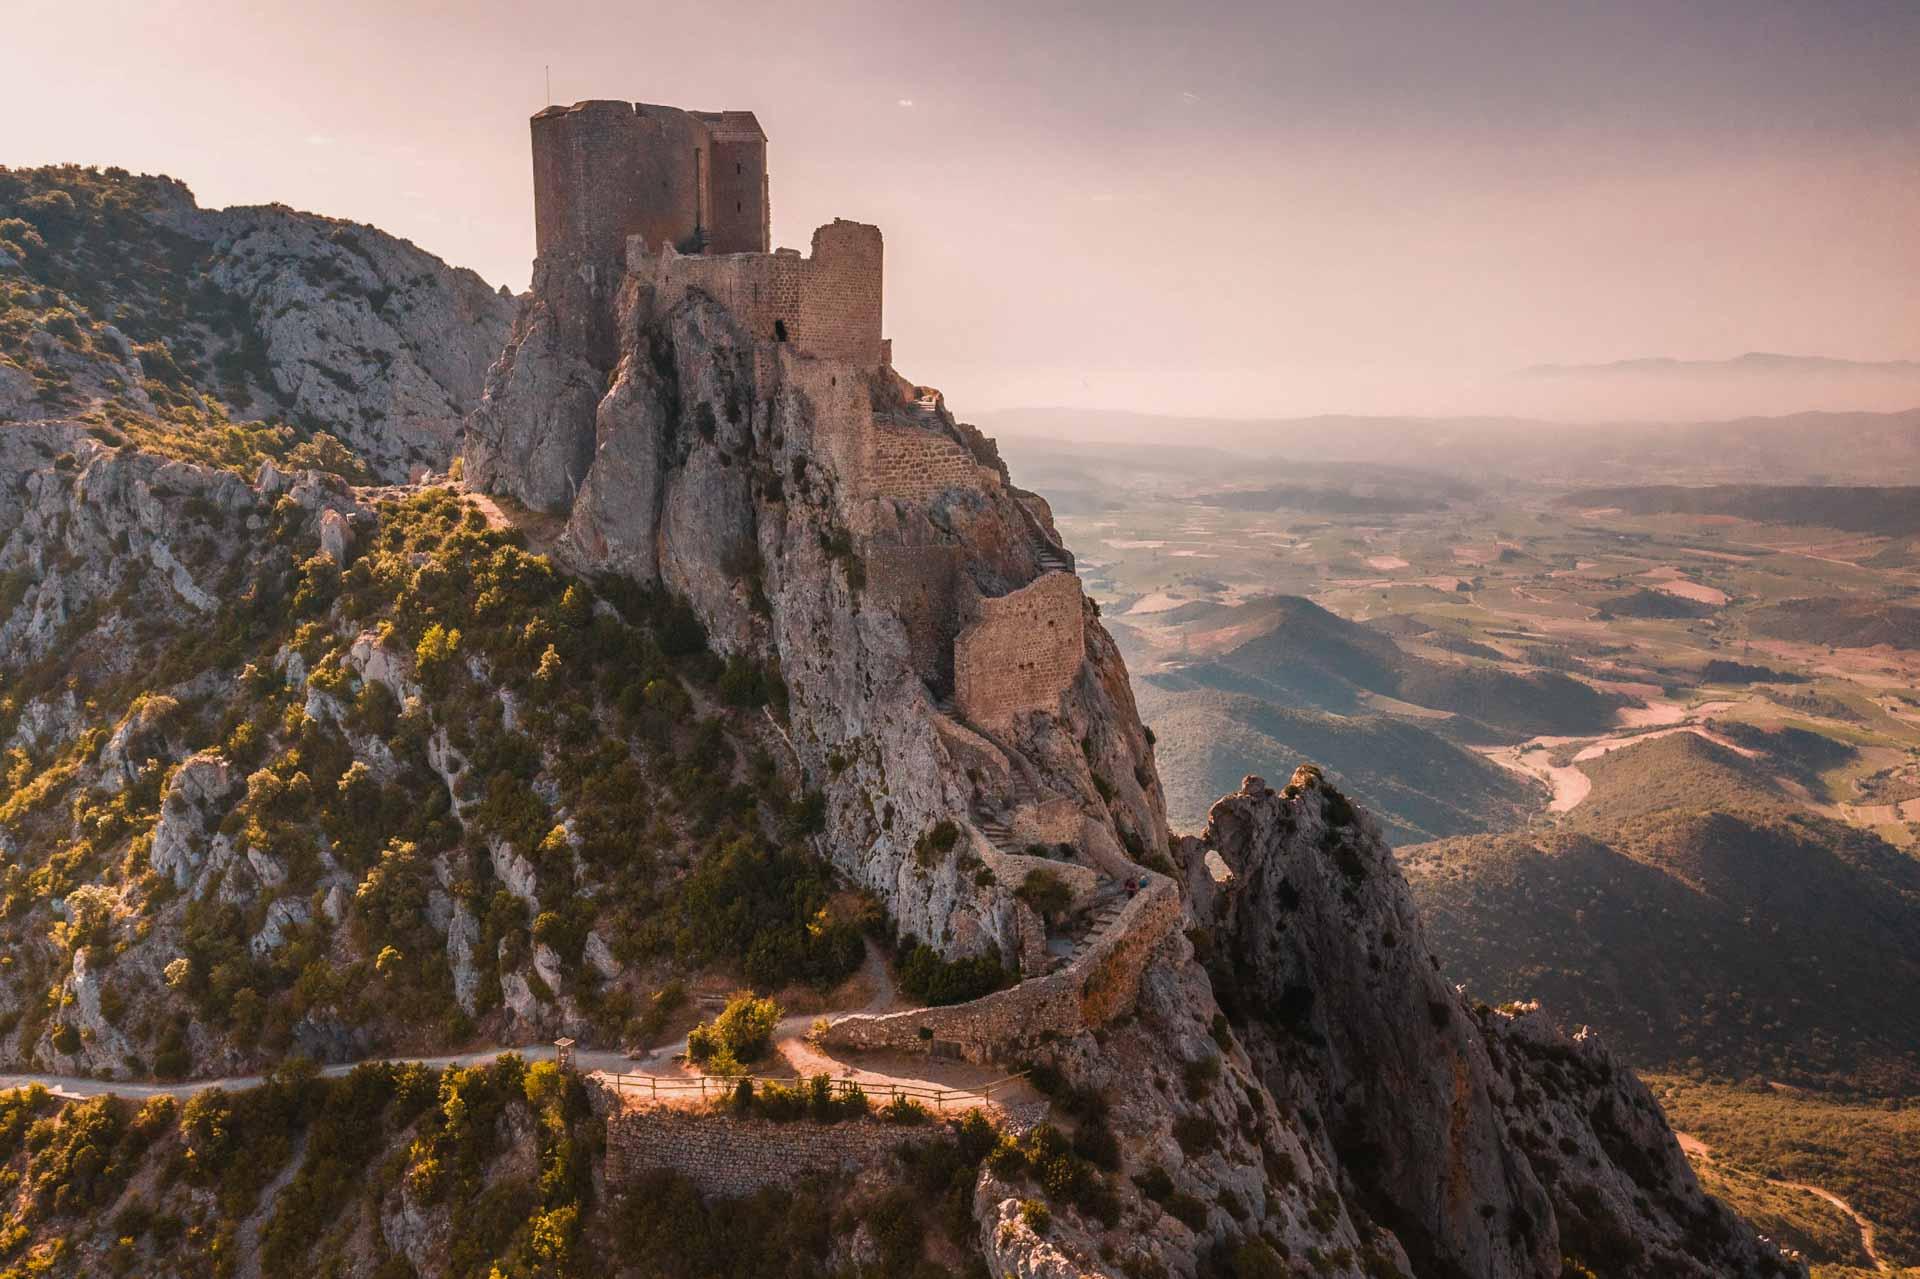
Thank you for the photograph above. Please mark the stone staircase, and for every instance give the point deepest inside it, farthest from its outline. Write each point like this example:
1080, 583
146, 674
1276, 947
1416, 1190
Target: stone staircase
1052, 558
998, 833
1101, 910
1109, 900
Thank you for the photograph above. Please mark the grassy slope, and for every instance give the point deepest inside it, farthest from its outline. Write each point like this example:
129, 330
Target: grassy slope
1867, 1153
88, 256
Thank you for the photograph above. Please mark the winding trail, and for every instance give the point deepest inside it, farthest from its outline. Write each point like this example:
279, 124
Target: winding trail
1696, 1149
876, 1071
75, 1087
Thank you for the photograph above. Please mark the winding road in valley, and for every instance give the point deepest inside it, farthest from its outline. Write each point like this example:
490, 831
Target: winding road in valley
1696, 1149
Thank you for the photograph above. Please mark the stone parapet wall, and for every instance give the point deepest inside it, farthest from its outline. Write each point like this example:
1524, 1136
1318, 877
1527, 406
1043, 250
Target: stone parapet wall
730, 1156
1090, 992
1023, 653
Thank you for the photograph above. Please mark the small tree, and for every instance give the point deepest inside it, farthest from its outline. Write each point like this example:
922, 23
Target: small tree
741, 1033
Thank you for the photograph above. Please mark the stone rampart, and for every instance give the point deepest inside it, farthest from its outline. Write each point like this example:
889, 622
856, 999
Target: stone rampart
1089, 992
1023, 653
730, 1156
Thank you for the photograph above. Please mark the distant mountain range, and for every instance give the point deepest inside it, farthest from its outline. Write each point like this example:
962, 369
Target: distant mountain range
1855, 447
1752, 364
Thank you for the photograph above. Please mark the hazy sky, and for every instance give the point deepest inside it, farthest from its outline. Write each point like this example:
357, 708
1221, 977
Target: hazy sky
1242, 208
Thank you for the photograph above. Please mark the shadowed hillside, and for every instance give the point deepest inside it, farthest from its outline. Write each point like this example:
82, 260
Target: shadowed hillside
1890, 511
1840, 623
1689, 912
1307, 654
1421, 785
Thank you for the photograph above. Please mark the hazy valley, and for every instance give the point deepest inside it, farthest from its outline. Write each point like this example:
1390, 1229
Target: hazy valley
1649, 753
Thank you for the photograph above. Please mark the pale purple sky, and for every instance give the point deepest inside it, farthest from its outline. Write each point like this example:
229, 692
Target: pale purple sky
1247, 209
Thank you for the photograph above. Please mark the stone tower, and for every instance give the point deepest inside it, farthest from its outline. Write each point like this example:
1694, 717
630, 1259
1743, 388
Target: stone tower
604, 170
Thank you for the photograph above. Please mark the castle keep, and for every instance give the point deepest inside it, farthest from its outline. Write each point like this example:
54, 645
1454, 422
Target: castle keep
675, 203
604, 171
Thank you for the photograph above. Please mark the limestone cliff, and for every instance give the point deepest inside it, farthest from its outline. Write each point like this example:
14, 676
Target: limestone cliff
1487, 1141
735, 472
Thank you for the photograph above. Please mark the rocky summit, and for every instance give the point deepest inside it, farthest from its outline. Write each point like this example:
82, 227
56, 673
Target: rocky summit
363, 709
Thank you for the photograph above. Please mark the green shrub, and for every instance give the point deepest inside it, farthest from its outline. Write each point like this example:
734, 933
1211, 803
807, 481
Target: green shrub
1046, 893
741, 1033
925, 976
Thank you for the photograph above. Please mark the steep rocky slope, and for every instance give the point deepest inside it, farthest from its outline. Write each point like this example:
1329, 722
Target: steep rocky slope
232, 334
1340, 1105
300, 767
699, 473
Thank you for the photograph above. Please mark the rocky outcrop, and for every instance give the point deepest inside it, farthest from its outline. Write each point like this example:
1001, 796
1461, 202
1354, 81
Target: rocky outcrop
1320, 960
718, 468
89, 522
532, 436
197, 795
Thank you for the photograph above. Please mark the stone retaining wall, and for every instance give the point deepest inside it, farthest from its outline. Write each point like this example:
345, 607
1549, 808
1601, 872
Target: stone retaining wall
1091, 991
729, 1156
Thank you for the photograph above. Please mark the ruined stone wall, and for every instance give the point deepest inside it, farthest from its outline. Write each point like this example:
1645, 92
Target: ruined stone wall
1023, 653
826, 306
842, 404
731, 1157
1094, 989
757, 289
925, 587
919, 464
603, 171
840, 301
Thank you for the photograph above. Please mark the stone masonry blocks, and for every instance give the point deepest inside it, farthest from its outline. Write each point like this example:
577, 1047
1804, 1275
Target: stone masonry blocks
729, 1156
1023, 653
606, 170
